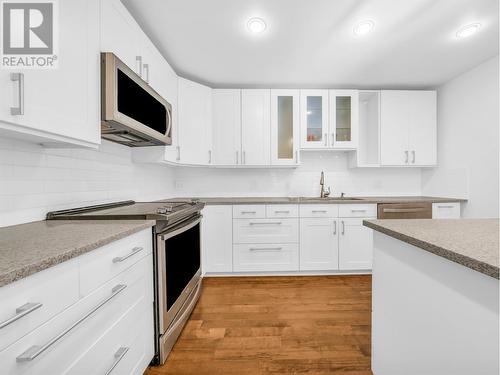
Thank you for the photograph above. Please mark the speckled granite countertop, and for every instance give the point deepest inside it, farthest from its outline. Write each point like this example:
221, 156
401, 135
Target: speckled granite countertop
29, 248
473, 243
305, 200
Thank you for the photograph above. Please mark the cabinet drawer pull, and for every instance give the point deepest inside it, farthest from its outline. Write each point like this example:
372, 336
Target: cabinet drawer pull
134, 251
268, 223
35, 350
319, 211
20, 312
19, 110
440, 206
354, 210
265, 248
248, 212
282, 212
404, 210
120, 353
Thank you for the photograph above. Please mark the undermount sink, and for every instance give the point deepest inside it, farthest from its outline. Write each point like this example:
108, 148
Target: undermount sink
331, 199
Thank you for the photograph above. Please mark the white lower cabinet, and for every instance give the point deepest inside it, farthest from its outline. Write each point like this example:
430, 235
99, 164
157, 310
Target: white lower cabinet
287, 237
319, 244
355, 245
86, 337
446, 210
217, 239
266, 257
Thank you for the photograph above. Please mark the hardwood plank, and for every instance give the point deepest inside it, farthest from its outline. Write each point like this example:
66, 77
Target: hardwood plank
276, 325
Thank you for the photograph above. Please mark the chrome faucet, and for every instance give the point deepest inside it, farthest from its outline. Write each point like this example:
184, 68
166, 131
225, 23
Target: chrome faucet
323, 193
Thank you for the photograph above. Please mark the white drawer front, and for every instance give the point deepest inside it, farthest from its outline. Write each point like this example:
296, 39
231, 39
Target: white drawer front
265, 230
358, 210
266, 257
282, 210
101, 265
319, 210
30, 302
103, 307
446, 210
249, 211
125, 345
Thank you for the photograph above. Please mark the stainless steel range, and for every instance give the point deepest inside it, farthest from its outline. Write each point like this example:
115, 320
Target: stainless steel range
177, 258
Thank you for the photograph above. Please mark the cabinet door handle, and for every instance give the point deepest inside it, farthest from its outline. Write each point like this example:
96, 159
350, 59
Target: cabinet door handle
138, 63
296, 156
237, 157
406, 160
35, 350
20, 312
178, 153
134, 251
146, 72
413, 155
268, 223
335, 227
19, 110
343, 227
244, 158
333, 139
209, 156
265, 248
120, 353
326, 139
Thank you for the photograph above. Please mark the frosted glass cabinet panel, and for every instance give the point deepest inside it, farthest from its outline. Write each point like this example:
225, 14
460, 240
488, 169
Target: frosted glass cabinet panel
344, 118
284, 126
314, 119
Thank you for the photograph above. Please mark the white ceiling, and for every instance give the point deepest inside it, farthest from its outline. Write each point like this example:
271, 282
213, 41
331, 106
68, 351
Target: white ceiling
310, 43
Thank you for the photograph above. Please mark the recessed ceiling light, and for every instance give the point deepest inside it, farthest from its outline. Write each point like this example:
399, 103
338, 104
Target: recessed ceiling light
468, 30
256, 25
363, 27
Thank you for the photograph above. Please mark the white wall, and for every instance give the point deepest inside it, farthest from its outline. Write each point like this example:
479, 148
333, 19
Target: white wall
468, 110
302, 181
34, 180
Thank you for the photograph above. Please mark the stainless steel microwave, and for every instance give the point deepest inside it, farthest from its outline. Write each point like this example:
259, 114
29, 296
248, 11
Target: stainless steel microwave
132, 112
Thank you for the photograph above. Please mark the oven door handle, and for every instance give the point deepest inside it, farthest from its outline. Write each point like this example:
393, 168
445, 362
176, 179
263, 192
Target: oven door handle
186, 226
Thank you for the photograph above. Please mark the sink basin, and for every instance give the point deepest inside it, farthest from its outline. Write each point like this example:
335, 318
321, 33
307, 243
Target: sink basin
330, 199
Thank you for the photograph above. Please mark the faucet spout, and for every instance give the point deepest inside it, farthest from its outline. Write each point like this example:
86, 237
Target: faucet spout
323, 193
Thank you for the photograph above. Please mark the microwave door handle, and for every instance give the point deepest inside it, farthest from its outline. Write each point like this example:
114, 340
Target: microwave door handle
169, 117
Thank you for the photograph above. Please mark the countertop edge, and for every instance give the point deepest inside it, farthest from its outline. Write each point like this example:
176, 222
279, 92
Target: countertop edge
214, 201
45, 263
474, 264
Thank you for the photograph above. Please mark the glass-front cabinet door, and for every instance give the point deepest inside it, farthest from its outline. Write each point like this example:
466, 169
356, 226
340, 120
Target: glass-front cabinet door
285, 127
314, 119
344, 106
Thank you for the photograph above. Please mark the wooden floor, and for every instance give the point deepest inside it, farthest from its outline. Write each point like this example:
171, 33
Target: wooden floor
276, 325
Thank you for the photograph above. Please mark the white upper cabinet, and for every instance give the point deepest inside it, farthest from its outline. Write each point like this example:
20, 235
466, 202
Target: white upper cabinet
408, 128
226, 127
59, 105
314, 130
284, 127
195, 118
255, 127
344, 117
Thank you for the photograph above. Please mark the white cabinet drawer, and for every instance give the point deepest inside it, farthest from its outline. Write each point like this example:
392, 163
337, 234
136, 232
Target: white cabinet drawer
265, 230
101, 265
319, 210
446, 210
102, 308
126, 343
358, 210
266, 257
47, 292
249, 211
282, 210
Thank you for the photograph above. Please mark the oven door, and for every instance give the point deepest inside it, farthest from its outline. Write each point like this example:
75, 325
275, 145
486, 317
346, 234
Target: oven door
178, 268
